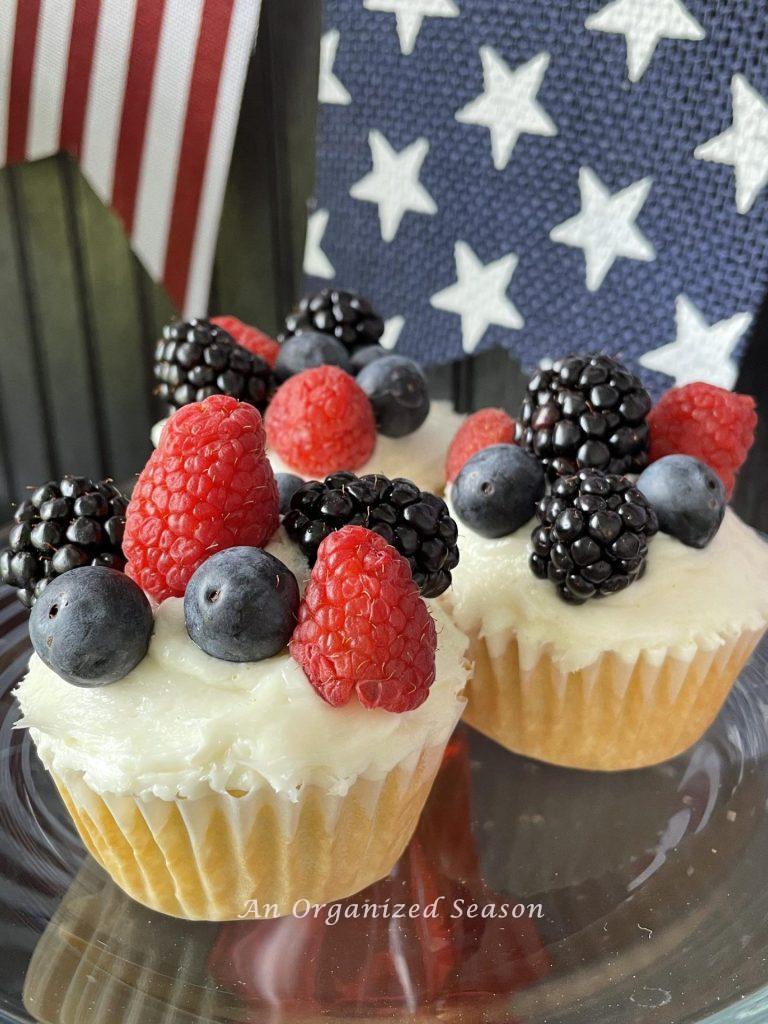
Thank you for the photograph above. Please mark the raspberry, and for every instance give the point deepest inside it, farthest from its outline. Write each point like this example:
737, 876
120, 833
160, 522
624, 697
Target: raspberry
480, 430
320, 421
206, 487
257, 342
707, 422
363, 627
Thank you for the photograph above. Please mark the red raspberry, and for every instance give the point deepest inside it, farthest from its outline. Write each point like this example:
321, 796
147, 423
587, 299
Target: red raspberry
363, 627
480, 430
707, 422
256, 341
320, 421
206, 487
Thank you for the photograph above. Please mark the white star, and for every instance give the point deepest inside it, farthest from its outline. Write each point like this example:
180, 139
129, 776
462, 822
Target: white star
479, 295
645, 23
508, 107
392, 329
410, 14
700, 351
330, 89
605, 229
744, 145
316, 263
394, 183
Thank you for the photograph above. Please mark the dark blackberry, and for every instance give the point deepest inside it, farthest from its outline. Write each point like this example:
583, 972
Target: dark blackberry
195, 359
414, 522
586, 412
592, 540
344, 315
61, 526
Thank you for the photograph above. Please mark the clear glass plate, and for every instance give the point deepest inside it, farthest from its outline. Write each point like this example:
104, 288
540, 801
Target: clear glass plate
626, 897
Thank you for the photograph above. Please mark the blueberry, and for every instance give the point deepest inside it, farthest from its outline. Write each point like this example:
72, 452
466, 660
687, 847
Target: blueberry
91, 625
287, 485
397, 389
241, 605
309, 349
497, 490
361, 357
688, 497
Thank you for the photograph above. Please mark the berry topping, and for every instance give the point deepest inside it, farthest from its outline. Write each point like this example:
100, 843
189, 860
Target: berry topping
363, 627
61, 526
687, 496
414, 522
308, 349
207, 486
287, 485
586, 412
92, 626
241, 605
257, 342
497, 489
592, 540
321, 421
367, 354
397, 390
707, 422
480, 430
346, 316
196, 359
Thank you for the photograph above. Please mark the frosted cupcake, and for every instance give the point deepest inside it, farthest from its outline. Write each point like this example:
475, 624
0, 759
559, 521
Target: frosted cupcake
383, 416
607, 620
231, 729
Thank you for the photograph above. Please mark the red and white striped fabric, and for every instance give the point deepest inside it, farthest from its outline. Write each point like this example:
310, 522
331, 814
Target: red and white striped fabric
146, 95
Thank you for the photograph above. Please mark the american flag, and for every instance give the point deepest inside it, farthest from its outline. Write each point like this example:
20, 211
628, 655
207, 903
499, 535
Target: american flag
548, 177
145, 94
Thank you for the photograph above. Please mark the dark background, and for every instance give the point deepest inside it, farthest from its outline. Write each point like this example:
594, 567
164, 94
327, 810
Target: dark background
80, 315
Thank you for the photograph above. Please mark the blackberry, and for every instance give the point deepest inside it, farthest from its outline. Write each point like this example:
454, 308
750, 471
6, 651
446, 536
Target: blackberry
61, 526
592, 540
414, 522
344, 315
196, 358
586, 412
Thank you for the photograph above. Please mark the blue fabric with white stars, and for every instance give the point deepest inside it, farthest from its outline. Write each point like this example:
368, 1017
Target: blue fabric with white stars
624, 131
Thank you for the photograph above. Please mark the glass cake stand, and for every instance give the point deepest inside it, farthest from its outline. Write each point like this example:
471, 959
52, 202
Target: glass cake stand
558, 896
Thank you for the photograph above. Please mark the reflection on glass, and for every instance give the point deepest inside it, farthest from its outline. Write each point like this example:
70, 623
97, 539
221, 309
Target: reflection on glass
653, 889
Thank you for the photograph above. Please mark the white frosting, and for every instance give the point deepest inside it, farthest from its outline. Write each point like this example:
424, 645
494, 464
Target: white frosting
157, 430
290, 555
419, 456
687, 598
183, 723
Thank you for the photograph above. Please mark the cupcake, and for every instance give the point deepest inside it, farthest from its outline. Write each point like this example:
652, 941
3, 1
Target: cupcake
610, 603
354, 406
232, 728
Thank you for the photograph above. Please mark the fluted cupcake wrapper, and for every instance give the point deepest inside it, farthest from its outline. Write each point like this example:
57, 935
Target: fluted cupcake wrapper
613, 714
228, 855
